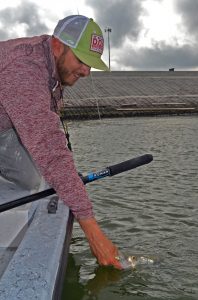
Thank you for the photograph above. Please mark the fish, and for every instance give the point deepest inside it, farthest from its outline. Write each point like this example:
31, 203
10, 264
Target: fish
131, 261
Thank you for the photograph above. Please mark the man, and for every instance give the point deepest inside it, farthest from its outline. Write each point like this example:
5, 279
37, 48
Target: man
32, 74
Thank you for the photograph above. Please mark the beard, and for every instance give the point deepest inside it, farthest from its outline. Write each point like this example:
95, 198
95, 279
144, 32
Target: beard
63, 72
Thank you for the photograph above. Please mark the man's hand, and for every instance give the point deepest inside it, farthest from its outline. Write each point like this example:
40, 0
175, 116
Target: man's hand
102, 248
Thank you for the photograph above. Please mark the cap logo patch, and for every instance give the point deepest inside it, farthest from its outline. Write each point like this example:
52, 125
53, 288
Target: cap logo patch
97, 43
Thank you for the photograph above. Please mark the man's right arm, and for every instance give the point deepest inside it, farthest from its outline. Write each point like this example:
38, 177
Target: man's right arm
102, 248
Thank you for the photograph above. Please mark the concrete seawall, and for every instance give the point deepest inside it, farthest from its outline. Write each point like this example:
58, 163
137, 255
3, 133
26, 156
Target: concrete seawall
130, 93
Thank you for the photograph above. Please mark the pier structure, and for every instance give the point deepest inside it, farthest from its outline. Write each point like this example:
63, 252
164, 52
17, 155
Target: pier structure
132, 93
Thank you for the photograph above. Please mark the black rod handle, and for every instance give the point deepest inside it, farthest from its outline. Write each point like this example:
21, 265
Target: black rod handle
118, 168
130, 164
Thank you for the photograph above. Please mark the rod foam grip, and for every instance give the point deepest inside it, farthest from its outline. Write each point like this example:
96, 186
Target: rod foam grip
130, 164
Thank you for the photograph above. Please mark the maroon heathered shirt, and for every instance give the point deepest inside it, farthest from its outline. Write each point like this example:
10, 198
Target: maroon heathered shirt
27, 77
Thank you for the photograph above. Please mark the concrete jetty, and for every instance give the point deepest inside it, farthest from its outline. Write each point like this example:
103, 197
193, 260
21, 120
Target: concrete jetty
132, 93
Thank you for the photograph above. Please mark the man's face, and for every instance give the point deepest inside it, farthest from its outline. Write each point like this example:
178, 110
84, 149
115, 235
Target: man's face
70, 68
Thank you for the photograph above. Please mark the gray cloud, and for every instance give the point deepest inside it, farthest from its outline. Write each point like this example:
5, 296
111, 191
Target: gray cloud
3, 35
161, 57
124, 19
188, 10
121, 16
26, 14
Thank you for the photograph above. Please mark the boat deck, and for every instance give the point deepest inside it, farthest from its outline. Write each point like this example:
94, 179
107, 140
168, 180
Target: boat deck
41, 240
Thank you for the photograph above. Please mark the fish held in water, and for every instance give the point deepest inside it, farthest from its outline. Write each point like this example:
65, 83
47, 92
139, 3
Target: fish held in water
130, 262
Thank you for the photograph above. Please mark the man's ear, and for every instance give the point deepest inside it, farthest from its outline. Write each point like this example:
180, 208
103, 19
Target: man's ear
57, 47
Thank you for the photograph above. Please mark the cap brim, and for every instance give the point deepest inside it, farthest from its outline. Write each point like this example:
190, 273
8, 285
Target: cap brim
91, 61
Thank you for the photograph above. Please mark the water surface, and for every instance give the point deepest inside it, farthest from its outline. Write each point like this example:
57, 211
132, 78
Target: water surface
151, 210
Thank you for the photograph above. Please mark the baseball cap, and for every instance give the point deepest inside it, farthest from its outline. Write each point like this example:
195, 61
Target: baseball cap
85, 39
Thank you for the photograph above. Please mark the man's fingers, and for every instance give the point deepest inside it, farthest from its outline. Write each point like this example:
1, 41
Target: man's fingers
111, 261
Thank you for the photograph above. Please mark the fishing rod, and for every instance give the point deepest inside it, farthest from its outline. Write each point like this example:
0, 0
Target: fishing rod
109, 171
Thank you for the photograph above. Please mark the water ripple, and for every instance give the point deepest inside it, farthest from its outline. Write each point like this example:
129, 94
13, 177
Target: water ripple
150, 210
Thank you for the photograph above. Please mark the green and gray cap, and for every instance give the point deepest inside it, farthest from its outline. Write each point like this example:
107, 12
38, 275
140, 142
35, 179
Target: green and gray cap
85, 39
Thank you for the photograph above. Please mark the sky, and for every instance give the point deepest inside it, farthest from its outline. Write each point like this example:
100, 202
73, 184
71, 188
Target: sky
145, 34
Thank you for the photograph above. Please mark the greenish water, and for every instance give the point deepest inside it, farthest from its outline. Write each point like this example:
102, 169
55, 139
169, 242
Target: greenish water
151, 210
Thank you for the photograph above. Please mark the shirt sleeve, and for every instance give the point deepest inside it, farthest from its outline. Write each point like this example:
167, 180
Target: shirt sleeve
26, 99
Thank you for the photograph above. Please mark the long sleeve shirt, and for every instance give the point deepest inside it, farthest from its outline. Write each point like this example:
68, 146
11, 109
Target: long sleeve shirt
27, 77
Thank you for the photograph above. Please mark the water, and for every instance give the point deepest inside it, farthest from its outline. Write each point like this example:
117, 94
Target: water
149, 211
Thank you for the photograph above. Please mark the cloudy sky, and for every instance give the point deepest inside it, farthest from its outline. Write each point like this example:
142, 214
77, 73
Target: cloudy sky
145, 34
